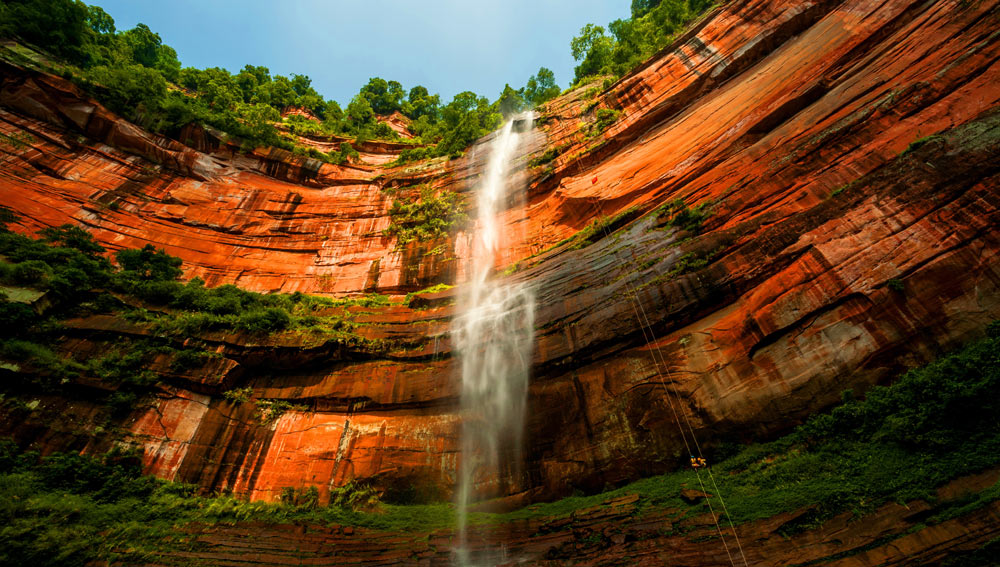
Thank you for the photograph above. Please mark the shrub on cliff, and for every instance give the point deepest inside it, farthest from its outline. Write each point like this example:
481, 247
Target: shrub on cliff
268, 320
652, 26
147, 264
64, 270
425, 218
935, 408
900, 442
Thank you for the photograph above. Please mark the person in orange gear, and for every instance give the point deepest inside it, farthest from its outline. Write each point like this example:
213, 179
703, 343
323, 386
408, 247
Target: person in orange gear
698, 462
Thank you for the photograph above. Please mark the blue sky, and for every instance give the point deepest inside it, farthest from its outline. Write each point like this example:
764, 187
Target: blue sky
446, 45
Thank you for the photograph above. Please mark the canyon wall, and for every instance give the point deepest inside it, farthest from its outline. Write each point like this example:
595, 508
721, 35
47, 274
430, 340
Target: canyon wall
846, 158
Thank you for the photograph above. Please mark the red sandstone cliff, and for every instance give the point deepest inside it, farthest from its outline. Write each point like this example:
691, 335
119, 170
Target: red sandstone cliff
794, 123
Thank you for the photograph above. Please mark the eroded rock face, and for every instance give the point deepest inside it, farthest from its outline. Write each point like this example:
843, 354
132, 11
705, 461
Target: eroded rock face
835, 147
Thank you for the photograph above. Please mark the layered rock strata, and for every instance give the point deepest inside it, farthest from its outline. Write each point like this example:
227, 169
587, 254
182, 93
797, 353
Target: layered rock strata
832, 146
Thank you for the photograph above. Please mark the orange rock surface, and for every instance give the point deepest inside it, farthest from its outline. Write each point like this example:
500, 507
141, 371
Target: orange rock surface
835, 147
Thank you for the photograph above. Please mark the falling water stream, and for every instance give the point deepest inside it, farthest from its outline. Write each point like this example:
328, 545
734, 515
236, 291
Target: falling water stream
494, 336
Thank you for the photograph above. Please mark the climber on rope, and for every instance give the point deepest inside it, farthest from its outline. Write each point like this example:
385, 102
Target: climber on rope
698, 462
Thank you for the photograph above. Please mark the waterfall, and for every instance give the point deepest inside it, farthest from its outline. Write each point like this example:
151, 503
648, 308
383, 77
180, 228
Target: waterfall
494, 332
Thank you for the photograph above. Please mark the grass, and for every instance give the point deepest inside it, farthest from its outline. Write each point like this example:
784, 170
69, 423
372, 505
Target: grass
548, 156
593, 232
601, 227
898, 444
686, 264
917, 144
681, 217
438, 288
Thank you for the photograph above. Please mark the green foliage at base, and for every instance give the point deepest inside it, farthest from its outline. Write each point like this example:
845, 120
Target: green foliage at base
69, 510
899, 443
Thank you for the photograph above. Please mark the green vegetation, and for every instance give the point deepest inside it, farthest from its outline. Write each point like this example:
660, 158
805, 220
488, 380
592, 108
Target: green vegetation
601, 227
433, 289
689, 262
63, 274
653, 25
136, 75
428, 217
917, 144
238, 395
347, 154
550, 155
68, 509
268, 411
593, 232
897, 444
17, 140
540, 88
681, 217
355, 496
605, 118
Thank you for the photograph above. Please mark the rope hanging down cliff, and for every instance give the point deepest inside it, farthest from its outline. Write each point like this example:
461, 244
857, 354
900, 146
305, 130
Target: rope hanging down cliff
659, 360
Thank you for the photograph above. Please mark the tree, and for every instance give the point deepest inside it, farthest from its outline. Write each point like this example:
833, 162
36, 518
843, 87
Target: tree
653, 24
422, 103
128, 89
510, 102
280, 92
360, 113
333, 114
148, 263
70, 236
7, 216
385, 97
593, 49
142, 45
167, 63
313, 102
259, 120
218, 89
641, 7
59, 26
540, 87
464, 120
250, 81
100, 21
